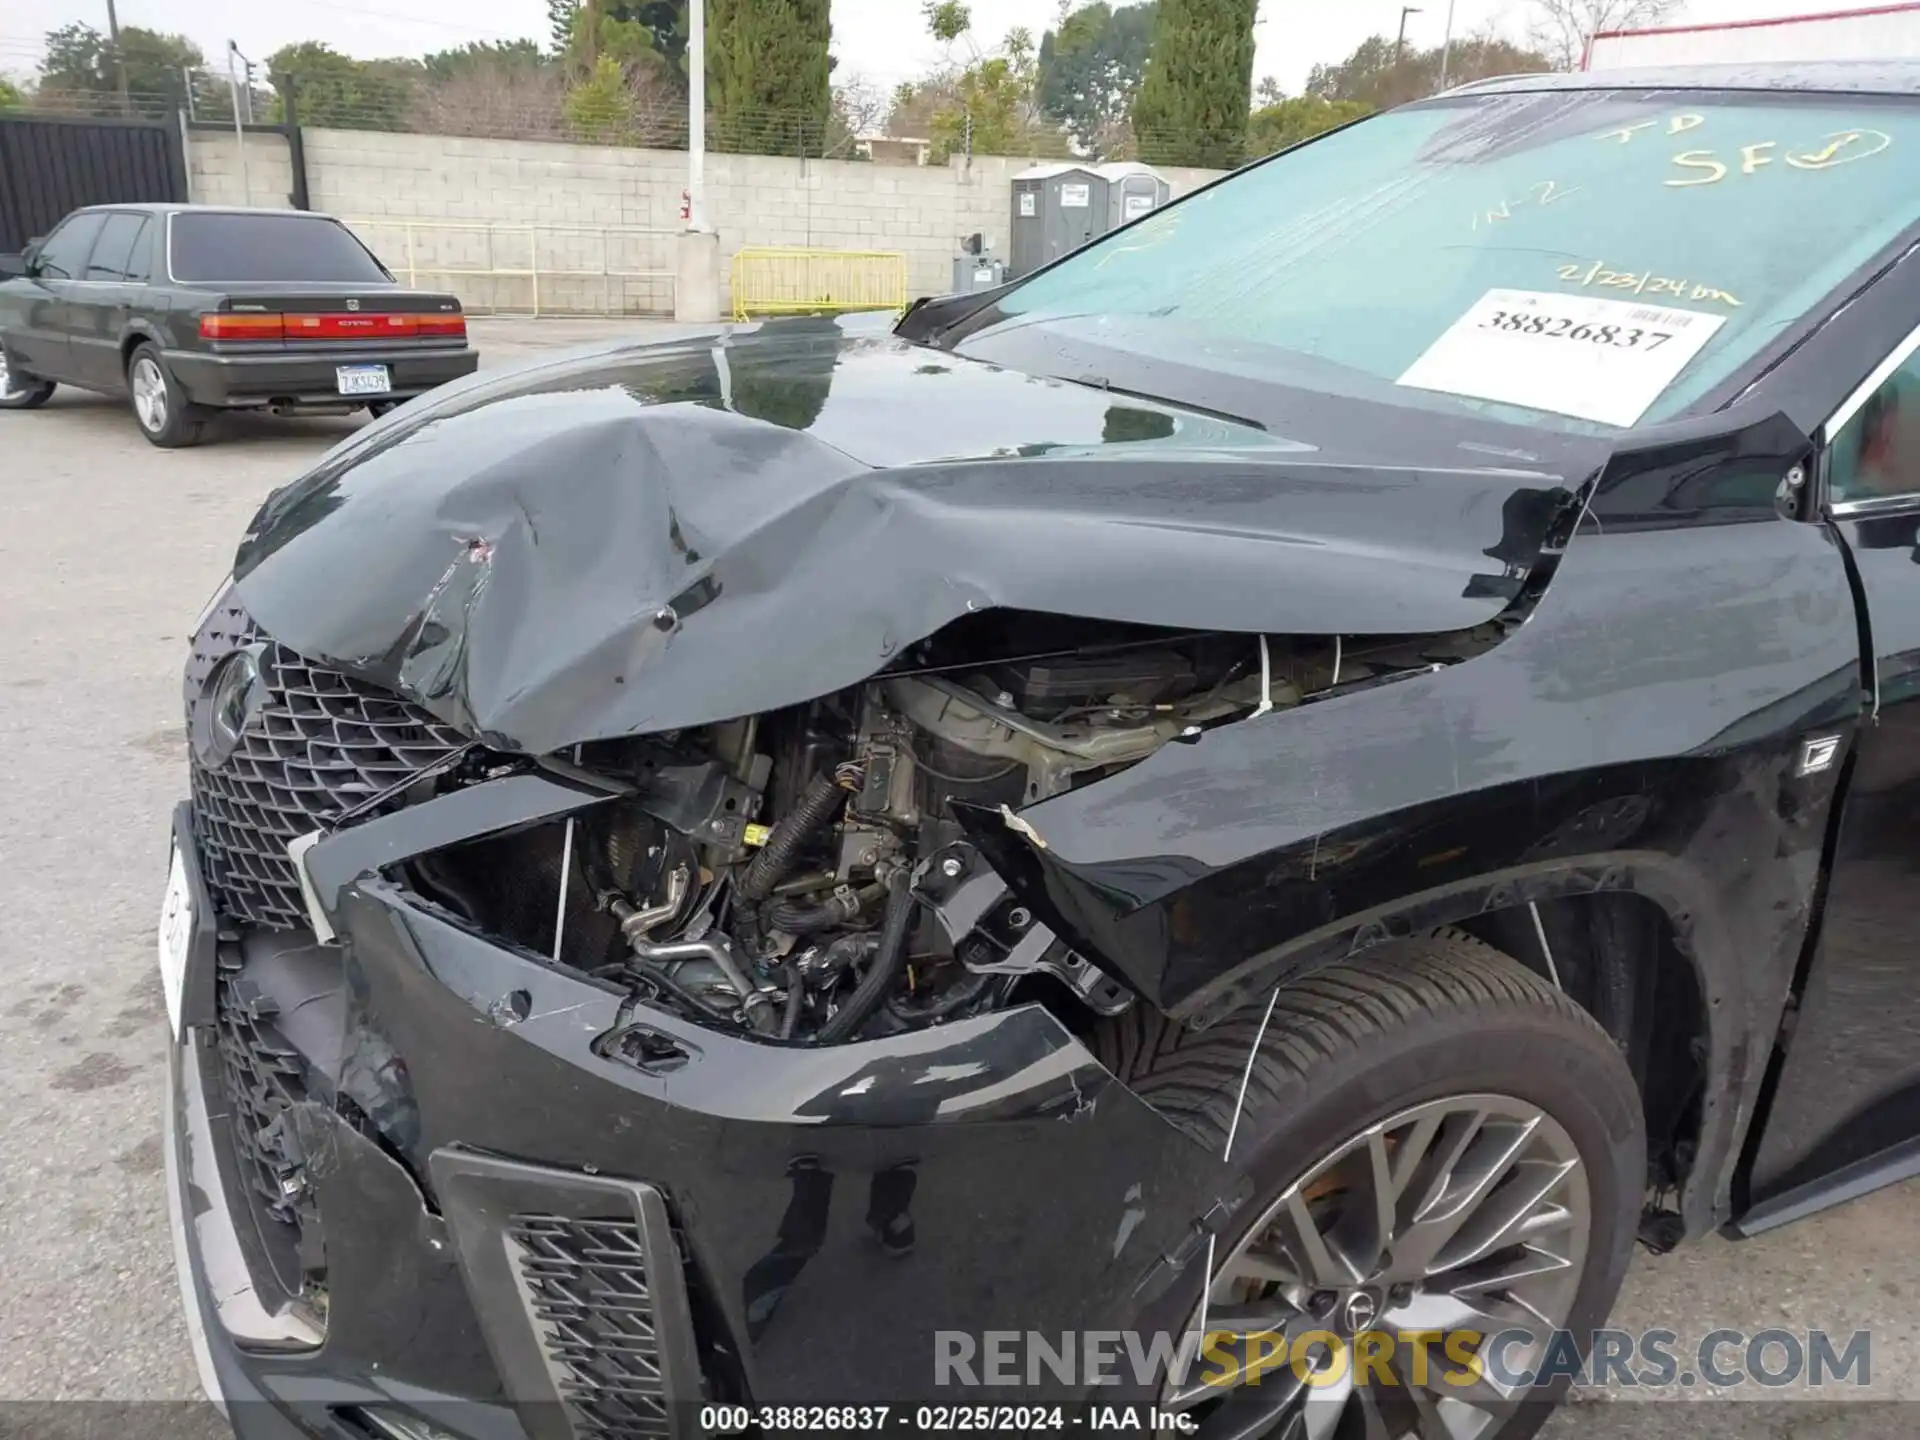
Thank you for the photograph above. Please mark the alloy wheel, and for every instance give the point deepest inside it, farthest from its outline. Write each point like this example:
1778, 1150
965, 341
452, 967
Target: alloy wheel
1460, 1219
149, 395
6, 376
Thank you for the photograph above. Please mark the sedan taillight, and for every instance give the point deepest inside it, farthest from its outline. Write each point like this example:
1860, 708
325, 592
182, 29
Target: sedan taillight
225, 325
444, 327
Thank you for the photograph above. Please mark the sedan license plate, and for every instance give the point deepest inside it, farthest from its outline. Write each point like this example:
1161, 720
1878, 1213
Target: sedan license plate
176, 938
363, 379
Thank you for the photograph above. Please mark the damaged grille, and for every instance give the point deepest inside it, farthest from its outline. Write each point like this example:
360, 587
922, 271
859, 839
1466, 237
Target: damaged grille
319, 745
586, 1287
265, 1078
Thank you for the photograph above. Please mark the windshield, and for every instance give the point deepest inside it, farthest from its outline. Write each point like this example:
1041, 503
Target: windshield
1585, 260
224, 247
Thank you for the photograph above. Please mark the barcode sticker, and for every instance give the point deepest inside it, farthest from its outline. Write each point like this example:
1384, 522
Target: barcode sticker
1578, 355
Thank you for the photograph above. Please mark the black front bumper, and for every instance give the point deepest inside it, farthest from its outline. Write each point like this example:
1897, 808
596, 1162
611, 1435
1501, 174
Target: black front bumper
306, 378
488, 1100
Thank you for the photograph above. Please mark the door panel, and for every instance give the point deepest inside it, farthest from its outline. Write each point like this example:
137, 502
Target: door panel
41, 341
1846, 1107
98, 303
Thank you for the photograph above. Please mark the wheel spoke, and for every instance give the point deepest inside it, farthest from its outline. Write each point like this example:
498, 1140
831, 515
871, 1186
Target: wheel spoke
1320, 1412
1253, 1410
1457, 1190
1496, 1222
1305, 1242
1258, 1263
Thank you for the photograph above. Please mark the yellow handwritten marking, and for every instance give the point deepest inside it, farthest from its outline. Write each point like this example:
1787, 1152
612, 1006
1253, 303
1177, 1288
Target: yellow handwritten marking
1625, 132
1826, 159
1680, 124
1698, 160
1641, 282
1752, 157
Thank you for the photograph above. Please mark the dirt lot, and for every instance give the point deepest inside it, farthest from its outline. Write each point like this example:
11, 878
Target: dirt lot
107, 549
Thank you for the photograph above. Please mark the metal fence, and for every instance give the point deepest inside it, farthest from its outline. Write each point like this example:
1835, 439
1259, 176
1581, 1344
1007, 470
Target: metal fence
511, 269
769, 280
49, 167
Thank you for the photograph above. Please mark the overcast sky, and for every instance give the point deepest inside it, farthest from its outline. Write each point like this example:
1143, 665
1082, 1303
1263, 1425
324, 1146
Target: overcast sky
883, 40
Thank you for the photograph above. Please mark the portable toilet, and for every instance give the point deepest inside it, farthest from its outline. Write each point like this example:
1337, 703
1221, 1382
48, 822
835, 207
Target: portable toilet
1133, 190
1056, 208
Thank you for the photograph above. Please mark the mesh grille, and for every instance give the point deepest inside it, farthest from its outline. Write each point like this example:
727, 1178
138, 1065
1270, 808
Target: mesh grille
586, 1284
320, 745
264, 1078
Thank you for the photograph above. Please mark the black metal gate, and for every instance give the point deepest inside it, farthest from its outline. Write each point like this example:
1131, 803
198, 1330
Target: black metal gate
48, 167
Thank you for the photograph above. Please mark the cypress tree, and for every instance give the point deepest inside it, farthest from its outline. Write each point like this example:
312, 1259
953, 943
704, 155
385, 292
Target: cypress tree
768, 86
1193, 104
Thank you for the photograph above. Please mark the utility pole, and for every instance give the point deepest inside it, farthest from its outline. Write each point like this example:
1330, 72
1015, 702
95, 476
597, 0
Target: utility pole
1446, 46
1400, 41
239, 135
696, 115
119, 58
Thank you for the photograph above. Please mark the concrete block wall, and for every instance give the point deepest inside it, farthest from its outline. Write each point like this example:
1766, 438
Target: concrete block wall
583, 196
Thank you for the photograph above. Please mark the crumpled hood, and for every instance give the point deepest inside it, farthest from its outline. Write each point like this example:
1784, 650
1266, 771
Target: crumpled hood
645, 538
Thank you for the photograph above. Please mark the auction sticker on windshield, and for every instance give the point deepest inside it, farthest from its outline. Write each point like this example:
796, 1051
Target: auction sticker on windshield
1578, 355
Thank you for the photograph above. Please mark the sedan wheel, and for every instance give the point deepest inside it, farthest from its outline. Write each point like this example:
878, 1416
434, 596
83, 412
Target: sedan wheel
20, 392
149, 394
166, 418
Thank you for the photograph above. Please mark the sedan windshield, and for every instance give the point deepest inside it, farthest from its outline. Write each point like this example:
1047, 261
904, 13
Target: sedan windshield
1589, 260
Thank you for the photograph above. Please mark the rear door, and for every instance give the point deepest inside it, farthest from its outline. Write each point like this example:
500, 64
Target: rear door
101, 301
38, 336
1845, 1111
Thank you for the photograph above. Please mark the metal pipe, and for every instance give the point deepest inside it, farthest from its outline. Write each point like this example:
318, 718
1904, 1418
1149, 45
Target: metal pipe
239, 134
697, 115
637, 921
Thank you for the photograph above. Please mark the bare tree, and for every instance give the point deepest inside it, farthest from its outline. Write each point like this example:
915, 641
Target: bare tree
1560, 29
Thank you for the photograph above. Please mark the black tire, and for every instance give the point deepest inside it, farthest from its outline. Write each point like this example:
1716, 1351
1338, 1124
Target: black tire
177, 422
1366, 1038
19, 391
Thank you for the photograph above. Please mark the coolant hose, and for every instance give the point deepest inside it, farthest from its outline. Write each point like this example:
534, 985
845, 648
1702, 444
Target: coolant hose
768, 868
889, 959
777, 856
798, 919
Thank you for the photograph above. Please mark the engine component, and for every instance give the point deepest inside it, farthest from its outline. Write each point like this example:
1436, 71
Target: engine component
800, 875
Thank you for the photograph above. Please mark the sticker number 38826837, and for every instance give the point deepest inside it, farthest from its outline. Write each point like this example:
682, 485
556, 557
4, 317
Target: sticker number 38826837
1579, 355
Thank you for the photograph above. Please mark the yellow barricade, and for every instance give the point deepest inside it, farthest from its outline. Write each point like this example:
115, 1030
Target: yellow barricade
774, 281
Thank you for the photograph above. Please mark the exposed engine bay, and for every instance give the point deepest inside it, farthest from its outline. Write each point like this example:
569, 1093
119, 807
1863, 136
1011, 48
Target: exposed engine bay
800, 876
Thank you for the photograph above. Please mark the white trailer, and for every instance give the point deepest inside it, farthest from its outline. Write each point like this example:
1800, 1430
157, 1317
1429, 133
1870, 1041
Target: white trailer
1876, 32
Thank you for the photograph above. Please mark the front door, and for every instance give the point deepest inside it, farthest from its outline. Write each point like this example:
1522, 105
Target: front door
37, 334
1845, 1113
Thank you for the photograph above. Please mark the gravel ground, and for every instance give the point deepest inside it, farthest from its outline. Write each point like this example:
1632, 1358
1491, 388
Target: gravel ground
107, 549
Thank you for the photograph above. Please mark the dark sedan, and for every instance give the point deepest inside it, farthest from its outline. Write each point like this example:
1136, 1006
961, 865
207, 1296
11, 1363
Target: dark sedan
191, 309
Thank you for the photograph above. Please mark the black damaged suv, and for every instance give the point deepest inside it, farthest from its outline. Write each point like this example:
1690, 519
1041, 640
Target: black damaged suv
1319, 766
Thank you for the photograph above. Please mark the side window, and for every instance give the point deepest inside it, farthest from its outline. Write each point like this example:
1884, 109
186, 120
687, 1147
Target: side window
140, 257
115, 244
1877, 453
65, 252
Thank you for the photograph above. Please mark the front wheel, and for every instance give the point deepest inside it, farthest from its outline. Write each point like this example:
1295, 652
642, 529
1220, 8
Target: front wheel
161, 407
19, 391
1445, 1158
